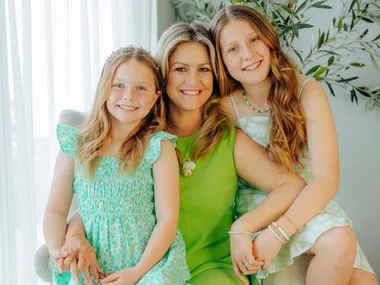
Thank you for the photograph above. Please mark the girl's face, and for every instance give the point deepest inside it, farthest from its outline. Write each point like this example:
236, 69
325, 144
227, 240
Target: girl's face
190, 78
245, 56
133, 93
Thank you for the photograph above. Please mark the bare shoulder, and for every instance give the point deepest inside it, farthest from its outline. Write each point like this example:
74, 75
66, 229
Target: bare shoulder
226, 103
313, 97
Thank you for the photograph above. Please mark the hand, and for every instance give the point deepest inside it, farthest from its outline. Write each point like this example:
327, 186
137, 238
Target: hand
242, 257
265, 247
126, 276
81, 256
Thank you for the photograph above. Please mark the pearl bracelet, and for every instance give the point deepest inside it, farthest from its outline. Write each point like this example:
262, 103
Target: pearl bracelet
240, 233
276, 235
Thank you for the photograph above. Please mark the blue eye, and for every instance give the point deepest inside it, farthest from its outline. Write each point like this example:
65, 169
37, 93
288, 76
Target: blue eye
233, 49
141, 88
118, 85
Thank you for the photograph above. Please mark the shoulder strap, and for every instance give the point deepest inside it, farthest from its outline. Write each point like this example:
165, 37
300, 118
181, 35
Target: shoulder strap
233, 103
303, 84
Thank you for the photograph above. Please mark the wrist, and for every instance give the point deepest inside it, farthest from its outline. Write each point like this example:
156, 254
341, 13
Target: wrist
71, 235
288, 228
140, 270
241, 225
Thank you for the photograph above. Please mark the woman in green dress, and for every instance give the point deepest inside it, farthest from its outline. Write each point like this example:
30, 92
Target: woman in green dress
211, 154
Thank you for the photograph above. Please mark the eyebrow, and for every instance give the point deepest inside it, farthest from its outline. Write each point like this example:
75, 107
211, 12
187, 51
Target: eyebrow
141, 82
185, 64
234, 42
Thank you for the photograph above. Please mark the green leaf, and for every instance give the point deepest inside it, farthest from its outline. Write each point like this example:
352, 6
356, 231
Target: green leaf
321, 40
331, 89
347, 79
362, 91
334, 21
295, 31
320, 72
298, 54
303, 26
363, 34
302, 6
317, 5
358, 4
331, 60
357, 64
345, 27
353, 96
287, 9
368, 20
340, 24
375, 39
312, 70
374, 62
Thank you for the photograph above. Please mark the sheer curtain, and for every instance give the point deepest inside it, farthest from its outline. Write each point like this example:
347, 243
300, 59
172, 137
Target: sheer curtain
51, 55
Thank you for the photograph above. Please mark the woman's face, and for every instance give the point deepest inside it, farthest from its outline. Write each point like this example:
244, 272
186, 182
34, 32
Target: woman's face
246, 57
190, 78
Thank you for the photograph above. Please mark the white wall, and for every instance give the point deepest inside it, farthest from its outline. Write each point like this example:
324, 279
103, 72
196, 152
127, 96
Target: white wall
359, 141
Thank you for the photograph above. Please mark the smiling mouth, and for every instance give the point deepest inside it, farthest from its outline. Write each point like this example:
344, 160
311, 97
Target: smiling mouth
191, 92
252, 66
127, 108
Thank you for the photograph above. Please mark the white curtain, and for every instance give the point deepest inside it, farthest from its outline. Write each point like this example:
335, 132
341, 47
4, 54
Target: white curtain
51, 55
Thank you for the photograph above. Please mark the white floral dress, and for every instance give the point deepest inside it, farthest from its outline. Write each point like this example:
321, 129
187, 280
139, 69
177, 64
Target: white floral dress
119, 215
249, 197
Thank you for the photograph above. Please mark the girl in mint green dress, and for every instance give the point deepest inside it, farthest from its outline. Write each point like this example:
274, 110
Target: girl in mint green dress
124, 171
298, 132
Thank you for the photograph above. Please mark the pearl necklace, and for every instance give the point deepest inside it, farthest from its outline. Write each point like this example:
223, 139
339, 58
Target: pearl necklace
250, 106
188, 165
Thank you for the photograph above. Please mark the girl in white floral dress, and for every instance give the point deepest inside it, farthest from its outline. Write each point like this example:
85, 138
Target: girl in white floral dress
290, 116
124, 170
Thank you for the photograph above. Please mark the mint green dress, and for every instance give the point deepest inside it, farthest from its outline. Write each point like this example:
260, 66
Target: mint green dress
207, 198
118, 213
249, 197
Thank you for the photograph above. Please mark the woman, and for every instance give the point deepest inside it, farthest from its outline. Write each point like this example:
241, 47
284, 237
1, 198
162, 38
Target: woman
215, 153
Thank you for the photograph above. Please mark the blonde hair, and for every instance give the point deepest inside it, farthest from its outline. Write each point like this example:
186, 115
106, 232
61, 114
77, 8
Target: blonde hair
287, 135
95, 133
215, 121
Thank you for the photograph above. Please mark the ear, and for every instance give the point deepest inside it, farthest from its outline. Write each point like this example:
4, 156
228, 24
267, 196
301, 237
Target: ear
158, 94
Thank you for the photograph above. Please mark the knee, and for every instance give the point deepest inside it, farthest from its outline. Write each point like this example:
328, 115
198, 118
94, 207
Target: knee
339, 240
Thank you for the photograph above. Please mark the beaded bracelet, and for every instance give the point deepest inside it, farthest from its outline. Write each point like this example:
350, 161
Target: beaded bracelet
240, 233
275, 234
281, 230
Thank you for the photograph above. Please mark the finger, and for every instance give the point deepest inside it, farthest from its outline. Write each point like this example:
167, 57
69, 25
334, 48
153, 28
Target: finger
60, 265
266, 265
110, 278
252, 269
74, 270
83, 266
94, 273
238, 273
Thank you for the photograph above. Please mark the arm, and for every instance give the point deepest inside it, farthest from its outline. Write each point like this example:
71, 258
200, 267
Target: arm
324, 157
255, 167
166, 190
58, 205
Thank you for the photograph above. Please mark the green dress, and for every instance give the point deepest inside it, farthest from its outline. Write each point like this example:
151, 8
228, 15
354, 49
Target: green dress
119, 215
207, 198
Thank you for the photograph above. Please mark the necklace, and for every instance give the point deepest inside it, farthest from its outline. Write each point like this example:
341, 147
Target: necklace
188, 165
250, 106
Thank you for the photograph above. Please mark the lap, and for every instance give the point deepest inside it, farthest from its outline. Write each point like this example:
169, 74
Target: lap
222, 276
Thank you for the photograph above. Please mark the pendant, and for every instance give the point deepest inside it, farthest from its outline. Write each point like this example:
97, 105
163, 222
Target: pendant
188, 167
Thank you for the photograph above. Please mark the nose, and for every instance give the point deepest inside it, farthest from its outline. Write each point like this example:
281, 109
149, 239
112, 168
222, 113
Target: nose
192, 78
129, 94
247, 52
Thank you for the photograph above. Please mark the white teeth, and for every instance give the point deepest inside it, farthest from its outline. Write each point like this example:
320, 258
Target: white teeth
252, 67
127, 108
188, 92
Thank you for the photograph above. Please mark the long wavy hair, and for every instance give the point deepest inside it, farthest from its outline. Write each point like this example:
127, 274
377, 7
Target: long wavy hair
215, 121
96, 132
287, 135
